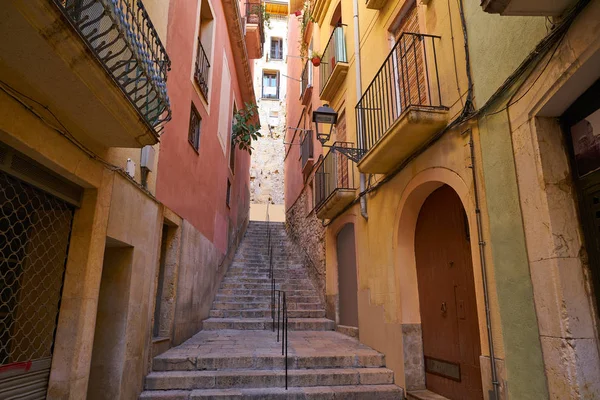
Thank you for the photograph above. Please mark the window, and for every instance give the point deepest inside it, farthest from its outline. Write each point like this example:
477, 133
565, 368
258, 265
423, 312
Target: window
270, 88
276, 48
194, 132
204, 48
232, 145
228, 194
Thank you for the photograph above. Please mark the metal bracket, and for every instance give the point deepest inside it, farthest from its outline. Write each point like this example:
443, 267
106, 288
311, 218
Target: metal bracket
352, 153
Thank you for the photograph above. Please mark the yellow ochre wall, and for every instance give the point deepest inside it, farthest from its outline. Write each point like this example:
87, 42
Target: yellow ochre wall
389, 318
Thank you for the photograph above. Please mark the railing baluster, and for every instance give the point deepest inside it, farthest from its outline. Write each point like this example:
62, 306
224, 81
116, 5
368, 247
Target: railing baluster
119, 34
392, 91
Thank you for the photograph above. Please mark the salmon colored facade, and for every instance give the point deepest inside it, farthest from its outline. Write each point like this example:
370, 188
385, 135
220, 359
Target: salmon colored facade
191, 182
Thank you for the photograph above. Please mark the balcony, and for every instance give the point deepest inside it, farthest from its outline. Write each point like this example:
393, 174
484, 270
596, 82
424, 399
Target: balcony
527, 7
201, 70
255, 30
306, 83
402, 107
98, 65
307, 151
334, 183
334, 64
376, 4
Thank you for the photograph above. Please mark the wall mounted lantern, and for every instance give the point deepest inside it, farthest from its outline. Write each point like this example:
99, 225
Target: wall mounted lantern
325, 119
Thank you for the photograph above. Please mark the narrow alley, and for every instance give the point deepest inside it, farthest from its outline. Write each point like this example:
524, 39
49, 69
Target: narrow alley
300, 199
237, 355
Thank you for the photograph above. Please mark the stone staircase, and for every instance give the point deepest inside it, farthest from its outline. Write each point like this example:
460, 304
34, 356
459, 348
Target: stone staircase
236, 355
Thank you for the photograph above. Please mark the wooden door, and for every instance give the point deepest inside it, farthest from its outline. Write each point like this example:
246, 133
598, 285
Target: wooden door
447, 298
347, 280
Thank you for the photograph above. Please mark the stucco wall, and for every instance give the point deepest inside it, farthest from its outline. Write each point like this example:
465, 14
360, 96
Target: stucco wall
194, 184
497, 46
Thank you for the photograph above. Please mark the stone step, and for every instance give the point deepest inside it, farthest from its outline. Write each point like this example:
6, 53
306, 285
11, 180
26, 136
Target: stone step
266, 292
265, 313
249, 378
238, 279
231, 361
266, 303
229, 298
267, 285
424, 395
354, 392
294, 324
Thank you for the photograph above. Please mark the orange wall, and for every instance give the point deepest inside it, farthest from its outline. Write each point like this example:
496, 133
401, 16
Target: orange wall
191, 184
294, 180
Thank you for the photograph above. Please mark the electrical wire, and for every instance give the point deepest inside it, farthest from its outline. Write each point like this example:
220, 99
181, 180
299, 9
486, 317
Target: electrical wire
14, 93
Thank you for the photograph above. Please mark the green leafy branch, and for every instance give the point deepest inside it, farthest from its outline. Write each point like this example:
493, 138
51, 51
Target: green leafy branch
244, 130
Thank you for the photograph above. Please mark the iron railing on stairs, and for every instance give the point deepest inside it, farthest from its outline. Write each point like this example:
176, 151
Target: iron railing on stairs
282, 311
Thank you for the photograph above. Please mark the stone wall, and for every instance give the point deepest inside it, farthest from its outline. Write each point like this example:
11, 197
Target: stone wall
266, 171
308, 233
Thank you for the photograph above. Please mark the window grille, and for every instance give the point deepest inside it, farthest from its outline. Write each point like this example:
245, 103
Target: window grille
194, 133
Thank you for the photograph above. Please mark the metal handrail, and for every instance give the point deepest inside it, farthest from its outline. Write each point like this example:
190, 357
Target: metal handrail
255, 9
408, 77
282, 324
306, 78
335, 172
333, 53
202, 68
123, 39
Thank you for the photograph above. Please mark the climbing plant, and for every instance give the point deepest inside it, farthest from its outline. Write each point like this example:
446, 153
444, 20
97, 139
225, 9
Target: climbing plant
306, 19
244, 130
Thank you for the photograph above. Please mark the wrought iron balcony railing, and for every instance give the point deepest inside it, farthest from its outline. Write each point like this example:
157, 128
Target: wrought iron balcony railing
306, 79
408, 77
121, 36
306, 147
335, 172
334, 52
202, 68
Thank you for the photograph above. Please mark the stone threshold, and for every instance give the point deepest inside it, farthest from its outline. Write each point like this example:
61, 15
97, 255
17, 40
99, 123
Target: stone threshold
424, 395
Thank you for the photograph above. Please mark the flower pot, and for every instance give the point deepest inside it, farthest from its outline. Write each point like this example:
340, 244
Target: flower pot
297, 13
316, 61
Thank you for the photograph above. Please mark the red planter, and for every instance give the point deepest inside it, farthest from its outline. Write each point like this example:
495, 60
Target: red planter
316, 61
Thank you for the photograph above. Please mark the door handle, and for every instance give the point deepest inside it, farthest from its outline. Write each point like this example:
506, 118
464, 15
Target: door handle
444, 308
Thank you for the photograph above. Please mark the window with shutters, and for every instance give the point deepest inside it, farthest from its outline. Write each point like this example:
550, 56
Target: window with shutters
270, 87
276, 49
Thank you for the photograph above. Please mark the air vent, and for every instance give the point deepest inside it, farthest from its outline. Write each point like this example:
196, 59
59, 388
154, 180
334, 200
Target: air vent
32, 172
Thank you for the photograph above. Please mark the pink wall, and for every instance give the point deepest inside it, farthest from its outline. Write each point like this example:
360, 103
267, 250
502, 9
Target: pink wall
191, 184
294, 179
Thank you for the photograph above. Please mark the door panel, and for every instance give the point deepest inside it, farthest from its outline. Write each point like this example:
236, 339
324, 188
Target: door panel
447, 298
348, 286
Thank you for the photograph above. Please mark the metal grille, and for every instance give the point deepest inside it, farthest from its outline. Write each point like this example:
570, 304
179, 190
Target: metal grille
34, 237
124, 40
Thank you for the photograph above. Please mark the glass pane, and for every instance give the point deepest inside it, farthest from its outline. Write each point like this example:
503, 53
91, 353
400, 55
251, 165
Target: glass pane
586, 143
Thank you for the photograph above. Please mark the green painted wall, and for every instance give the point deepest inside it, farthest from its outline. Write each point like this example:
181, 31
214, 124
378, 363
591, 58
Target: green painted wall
524, 364
497, 46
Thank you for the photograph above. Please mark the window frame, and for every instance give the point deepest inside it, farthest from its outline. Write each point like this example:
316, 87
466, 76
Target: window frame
194, 137
228, 194
277, 81
276, 39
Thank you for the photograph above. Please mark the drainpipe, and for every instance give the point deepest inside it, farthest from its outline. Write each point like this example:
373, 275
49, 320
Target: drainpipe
495, 395
363, 185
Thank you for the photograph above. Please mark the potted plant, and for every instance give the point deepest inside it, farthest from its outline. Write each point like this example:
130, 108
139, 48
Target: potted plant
315, 58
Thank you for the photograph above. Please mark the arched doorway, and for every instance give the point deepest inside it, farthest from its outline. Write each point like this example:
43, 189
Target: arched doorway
347, 282
447, 297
